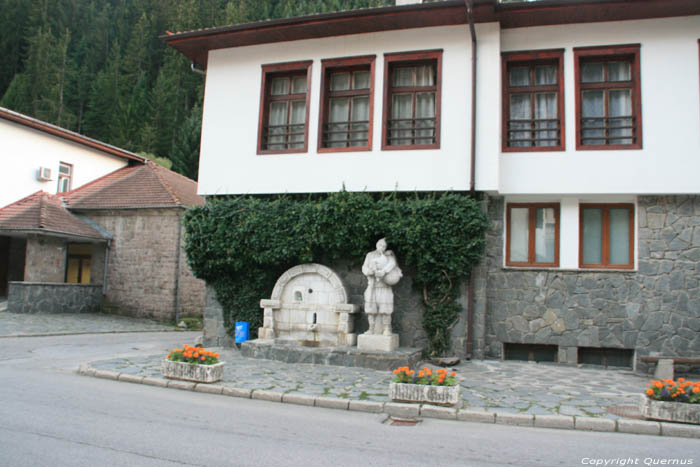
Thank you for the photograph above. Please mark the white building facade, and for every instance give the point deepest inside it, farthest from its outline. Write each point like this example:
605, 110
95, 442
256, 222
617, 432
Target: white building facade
587, 150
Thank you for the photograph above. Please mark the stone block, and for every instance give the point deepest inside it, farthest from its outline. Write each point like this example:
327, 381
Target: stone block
638, 427
298, 399
377, 343
332, 403
106, 374
594, 424
209, 388
162, 383
479, 416
680, 430
432, 411
184, 385
237, 392
664, 369
398, 410
130, 378
271, 396
554, 421
366, 406
516, 419
86, 369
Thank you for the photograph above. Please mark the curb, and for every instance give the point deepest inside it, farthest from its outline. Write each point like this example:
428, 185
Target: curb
81, 333
401, 410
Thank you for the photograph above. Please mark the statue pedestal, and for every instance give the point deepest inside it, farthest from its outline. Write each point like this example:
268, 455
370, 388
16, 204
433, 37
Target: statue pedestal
378, 343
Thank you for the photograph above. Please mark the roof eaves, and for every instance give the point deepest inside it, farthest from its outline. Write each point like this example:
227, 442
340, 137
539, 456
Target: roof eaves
53, 233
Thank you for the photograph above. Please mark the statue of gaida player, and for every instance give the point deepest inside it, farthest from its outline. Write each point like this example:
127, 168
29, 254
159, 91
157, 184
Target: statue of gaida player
382, 272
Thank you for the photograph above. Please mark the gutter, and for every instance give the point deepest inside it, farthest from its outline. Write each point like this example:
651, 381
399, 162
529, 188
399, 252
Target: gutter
194, 69
469, 4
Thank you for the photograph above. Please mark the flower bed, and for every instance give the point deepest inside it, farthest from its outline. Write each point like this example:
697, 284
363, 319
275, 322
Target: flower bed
674, 401
193, 364
427, 386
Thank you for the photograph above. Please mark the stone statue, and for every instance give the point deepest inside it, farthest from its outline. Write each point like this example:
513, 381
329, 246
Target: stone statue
382, 272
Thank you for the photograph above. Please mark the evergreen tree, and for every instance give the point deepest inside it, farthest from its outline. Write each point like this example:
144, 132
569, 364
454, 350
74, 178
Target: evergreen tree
185, 155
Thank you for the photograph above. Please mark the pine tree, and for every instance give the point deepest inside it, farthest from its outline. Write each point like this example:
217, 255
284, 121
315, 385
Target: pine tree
185, 155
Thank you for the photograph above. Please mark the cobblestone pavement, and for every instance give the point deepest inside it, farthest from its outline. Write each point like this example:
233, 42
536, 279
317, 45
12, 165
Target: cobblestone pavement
38, 324
497, 386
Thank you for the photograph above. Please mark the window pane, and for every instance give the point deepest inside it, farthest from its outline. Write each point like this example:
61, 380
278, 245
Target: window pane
299, 85
546, 114
340, 81
619, 236
360, 113
298, 118
425, 109
85, 273
620, 105
546, 74
279, 86
591, 72
519, 76
425, 75
402, 108
277, 120
340, 110
619, 71
520, 110
361, 80
338, 136
592, 129
592, 236
298, 112
72, 269
519, 234
545, 235
403, 77
64, 169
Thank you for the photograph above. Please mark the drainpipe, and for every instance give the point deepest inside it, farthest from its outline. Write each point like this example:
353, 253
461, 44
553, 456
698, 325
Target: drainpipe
178, 267
469, 4
197, 70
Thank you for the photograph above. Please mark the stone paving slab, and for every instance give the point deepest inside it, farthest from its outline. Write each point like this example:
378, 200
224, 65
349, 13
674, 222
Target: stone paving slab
46, 324
493, 391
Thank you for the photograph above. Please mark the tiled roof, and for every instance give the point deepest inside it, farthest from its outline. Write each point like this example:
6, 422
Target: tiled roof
141, 186
42, 212
54, 130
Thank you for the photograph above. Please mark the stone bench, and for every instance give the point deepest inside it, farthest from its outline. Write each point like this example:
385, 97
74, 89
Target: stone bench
664, 365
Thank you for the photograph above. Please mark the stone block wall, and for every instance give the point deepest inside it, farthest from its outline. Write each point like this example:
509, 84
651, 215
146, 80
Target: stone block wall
45, 259
654, 310
142, 269
39, 297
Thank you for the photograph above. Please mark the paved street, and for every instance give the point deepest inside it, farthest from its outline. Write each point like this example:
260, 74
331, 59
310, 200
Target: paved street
54, 417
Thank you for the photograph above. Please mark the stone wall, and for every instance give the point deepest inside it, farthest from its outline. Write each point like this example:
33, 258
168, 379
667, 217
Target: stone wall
41, 297
142, 269
654, 310
45, 259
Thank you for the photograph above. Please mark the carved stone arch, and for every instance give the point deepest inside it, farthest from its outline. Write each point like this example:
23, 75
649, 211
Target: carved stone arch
311, 268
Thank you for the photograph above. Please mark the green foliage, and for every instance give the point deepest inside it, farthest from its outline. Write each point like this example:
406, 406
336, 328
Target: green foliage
241, 245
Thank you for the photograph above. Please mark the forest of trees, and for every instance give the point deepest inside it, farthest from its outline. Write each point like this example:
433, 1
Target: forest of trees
98, 68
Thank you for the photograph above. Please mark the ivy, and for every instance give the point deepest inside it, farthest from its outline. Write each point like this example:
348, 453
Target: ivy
241, 245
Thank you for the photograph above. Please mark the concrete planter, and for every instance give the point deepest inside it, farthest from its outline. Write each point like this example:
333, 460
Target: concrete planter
670, 411
437, 395
190, 372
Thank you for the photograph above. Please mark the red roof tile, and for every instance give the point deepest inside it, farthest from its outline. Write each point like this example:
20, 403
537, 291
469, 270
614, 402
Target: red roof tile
141, 186
42, 212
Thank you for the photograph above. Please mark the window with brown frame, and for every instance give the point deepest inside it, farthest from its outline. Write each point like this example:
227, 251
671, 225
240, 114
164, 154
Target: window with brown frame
346, 104
608, 97
78, 263
533, 101
284, 108
65, 177
606, 236
412, 83
532, 234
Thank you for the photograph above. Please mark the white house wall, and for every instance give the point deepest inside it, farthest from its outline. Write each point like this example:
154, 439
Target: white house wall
229, 163
24, 150
670, 159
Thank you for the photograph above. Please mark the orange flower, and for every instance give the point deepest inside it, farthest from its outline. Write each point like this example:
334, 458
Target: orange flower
658, 384
650, 392
696, 389
453, 374
421, 374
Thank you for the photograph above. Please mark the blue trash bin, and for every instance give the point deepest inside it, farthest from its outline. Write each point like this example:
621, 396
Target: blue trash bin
242, 331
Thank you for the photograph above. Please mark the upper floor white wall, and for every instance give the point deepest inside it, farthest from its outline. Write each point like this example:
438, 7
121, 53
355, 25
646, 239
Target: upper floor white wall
669, 161
24, 150
229, 163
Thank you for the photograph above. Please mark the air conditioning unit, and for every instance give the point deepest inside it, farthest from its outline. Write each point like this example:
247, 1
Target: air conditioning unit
43, 174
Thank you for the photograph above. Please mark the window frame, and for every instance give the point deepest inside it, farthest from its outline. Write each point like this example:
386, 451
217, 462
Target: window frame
62, 177
298, 67
532, 223
605, 234
80, 257
335, 65
607, 53
532, 58
411, 58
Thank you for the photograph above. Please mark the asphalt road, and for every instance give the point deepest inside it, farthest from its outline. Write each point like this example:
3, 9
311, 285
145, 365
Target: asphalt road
50, 416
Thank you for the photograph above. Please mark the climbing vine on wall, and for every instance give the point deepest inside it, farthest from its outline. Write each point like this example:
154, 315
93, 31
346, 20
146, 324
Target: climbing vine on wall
241, 245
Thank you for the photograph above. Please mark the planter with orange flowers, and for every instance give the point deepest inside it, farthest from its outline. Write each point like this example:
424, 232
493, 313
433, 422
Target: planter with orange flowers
438, 387
193, 364
673, 401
